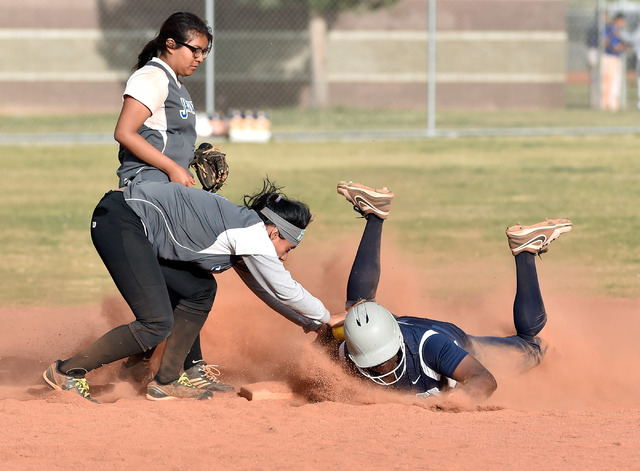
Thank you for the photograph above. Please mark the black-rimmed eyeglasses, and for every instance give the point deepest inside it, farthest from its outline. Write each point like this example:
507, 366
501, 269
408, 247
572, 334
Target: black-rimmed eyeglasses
197, 52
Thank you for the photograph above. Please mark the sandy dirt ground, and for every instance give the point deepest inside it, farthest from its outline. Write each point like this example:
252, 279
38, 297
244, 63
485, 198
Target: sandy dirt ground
580, 409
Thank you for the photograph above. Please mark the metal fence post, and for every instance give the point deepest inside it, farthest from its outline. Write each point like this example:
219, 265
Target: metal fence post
210, 88
623, 65
601, 12
431, 72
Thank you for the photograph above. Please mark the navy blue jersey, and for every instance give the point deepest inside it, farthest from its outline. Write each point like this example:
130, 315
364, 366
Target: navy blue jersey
434, 349
612, 34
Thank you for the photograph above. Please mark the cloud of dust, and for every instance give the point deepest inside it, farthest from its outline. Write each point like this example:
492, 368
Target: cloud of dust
590, 361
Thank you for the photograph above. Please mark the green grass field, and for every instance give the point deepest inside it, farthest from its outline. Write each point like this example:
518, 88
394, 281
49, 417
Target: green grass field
340, 119
454, 198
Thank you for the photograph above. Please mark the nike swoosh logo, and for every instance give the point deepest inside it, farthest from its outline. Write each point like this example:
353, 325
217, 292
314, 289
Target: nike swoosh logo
414, 382
381, 209
360, 199
541, 238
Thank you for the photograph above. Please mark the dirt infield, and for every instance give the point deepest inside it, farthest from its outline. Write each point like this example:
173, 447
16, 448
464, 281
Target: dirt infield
579, 410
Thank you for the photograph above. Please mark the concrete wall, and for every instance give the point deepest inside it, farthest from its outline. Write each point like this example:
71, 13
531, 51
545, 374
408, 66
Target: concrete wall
74, 55
490, 54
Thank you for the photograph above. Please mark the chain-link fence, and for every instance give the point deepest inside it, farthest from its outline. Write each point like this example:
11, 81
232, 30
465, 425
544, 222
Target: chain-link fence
498, 65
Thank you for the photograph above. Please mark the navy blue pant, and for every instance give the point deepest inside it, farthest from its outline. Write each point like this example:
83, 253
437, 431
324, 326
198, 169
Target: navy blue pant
529, 315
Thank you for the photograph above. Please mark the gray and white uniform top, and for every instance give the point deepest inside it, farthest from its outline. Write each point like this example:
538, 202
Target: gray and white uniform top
171, 128
192, 225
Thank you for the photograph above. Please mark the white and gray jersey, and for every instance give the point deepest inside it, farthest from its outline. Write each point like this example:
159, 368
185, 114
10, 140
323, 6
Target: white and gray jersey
192, 225
171, 128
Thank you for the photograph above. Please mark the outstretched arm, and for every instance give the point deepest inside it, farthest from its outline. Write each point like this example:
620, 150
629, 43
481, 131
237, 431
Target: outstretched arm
474, 379
272, 283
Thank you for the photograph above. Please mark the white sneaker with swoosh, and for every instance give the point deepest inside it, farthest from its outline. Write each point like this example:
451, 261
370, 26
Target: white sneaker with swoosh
366, 200
535, 238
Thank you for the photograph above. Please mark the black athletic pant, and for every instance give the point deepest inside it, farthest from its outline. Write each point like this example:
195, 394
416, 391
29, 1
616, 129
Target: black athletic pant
194, 289
529, 314
119, 237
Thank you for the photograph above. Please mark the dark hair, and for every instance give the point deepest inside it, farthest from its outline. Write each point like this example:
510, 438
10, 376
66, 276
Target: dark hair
271, 196
180, 26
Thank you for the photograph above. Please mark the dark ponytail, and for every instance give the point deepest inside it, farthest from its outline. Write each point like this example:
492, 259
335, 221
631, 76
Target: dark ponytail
149, 51
271, 196
180, 26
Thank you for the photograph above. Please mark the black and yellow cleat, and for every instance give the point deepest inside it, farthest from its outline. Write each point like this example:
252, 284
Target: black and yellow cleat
62, 382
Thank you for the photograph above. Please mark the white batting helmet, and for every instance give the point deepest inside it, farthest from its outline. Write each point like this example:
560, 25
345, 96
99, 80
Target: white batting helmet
373, 337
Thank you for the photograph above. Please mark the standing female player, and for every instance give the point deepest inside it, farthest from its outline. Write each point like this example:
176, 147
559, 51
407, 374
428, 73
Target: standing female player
157, 135
147, 221
156, 128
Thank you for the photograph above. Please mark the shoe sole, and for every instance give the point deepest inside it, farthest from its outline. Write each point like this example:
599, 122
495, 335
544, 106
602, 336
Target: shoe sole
344, 189
174, 398
50, 382
165, 397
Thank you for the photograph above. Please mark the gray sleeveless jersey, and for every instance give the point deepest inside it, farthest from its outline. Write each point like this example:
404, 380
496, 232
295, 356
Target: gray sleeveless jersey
171, 128
192, 225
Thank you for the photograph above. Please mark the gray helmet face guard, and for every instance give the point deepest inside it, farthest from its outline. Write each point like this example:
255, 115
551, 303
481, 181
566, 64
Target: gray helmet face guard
393, 376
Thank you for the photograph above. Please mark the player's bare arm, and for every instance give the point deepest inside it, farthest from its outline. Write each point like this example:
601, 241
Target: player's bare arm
474, 379
337, 319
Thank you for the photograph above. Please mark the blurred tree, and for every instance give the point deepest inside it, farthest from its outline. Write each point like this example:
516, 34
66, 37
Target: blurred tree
322, 13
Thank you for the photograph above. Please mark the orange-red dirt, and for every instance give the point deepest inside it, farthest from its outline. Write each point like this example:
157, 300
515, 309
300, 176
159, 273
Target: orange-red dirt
580, 409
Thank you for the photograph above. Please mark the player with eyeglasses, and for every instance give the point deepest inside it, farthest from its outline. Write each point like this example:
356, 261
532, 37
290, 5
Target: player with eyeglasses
197, 51
156, 128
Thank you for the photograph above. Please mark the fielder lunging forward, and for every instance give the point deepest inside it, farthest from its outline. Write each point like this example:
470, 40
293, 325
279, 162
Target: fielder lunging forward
428, 356
148, 221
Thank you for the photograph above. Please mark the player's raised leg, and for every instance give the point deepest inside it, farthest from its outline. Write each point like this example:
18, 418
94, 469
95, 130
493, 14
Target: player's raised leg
529, 313
525, 242
374, 205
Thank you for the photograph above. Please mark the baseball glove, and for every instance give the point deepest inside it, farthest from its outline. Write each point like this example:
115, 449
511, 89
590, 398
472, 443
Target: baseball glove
211, 167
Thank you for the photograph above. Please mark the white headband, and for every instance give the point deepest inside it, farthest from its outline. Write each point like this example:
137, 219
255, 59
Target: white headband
290, 232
